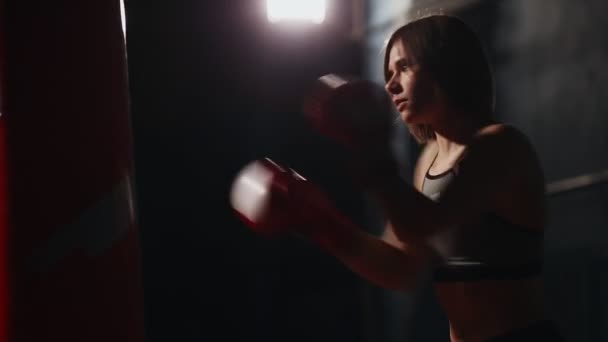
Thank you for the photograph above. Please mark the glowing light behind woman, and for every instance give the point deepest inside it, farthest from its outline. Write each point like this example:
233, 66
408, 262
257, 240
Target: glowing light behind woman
296, 10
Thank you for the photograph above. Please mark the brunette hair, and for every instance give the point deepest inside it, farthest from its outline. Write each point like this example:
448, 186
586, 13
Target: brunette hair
453, 55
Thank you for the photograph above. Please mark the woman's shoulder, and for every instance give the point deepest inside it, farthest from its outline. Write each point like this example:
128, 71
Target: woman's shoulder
502, 136
503, 148
499, 129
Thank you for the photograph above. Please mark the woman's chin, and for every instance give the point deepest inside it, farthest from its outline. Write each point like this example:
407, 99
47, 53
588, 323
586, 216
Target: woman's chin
408, 117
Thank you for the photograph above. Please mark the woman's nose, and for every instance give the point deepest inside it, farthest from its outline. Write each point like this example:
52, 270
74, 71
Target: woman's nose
393, 87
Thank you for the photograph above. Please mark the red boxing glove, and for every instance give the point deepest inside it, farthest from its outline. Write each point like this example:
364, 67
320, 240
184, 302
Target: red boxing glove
272, 200
357, 113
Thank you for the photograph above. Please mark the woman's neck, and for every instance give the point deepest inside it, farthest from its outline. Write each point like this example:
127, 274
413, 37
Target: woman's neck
454, 135
447, 147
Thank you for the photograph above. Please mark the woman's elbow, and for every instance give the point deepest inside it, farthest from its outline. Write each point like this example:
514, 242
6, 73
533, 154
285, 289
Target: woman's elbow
411, 277
403, 284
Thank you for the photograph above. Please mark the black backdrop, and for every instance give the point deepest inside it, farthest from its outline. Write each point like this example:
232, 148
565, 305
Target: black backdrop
213, 86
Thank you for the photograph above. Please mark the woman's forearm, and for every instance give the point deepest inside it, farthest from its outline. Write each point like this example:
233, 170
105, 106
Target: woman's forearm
379, 262
413, 216
369, 256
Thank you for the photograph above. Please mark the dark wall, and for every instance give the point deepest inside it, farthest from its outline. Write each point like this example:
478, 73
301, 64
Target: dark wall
554, 81
213, 86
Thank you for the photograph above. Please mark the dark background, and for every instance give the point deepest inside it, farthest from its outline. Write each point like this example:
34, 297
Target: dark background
214, 86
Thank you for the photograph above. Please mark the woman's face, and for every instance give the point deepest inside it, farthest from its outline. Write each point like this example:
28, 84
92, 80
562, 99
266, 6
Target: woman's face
412, 89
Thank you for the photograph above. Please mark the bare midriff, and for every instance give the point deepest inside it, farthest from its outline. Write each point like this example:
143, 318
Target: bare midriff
478, 310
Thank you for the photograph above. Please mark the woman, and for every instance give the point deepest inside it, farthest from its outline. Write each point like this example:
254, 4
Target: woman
476, 211
489, 213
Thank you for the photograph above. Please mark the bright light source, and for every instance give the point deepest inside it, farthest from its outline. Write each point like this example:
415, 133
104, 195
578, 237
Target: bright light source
308, 10
123, 20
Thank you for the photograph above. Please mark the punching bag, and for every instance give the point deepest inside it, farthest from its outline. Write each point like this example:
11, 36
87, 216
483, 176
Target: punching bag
70, 263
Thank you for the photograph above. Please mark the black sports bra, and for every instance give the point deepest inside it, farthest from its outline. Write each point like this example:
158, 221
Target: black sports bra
490, 248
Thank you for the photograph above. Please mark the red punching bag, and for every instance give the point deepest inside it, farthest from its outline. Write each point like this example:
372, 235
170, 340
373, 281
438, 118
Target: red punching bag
3, 195
71, 260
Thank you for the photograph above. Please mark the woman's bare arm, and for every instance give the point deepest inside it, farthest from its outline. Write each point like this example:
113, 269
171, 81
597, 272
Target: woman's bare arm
380, 262
388, 262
